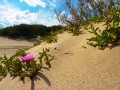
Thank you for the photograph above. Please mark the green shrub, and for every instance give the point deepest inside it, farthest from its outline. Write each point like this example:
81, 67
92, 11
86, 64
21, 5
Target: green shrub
16, 67
46, 57
3, 70
52, 38
111, 34
28, 31
55, 28
37, 43
75, 30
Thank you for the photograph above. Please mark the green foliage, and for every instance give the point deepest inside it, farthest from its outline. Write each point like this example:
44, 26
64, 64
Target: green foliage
28, 31
55, 28
46, 57
52, 38
37, 43
20, 53
77, 11
3, 70
111, 34
15, 67
74, 30
10, 32
97, 19
100, 38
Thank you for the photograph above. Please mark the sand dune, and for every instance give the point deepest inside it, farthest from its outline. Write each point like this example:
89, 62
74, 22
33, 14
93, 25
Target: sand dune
77, 66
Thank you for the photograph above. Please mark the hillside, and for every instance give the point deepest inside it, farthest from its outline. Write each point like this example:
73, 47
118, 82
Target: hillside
77, 66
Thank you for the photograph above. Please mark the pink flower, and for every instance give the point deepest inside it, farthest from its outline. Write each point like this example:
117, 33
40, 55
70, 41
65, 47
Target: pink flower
108, 15
27, 58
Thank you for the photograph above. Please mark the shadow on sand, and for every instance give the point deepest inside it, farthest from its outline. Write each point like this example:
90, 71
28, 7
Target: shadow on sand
37, 77
111, 46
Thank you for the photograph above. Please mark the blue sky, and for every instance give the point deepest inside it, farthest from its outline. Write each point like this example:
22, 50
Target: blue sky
14, 12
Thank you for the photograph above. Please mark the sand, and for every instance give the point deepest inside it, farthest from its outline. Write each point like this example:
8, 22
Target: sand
10, 46
77, 66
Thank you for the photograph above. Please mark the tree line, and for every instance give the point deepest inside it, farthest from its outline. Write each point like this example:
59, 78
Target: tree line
28, 31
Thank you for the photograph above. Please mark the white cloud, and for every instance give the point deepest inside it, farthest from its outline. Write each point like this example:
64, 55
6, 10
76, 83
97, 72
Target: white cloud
53, 3
10, 15
46, 18
2, 25
34, 3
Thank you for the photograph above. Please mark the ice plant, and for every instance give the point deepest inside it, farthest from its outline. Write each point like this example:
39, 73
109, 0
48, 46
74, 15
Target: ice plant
108, 16
110, 35
27, 58
26, 66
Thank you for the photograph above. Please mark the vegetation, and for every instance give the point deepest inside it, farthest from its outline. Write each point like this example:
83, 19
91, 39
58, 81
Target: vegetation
52, 38
111, 34
16, 67
86, 12
28, 31
74, 30
78, 13
37, 43
82, 13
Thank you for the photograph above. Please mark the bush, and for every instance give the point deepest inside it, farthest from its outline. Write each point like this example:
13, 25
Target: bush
111, 34
55, 28
28, 31
37, 43
74, 31
52, 38
10, 32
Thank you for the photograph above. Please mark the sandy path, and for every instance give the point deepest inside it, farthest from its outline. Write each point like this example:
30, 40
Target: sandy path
75, 67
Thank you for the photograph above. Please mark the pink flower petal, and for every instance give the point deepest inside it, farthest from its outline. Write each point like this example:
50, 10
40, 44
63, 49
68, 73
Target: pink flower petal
27, 58
108, 15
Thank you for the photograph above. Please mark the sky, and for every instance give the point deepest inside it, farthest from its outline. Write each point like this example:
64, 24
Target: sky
15, 12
